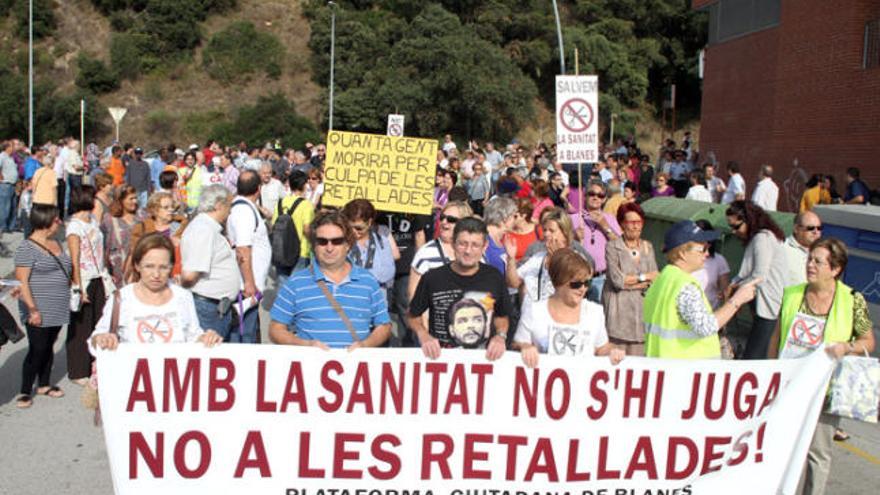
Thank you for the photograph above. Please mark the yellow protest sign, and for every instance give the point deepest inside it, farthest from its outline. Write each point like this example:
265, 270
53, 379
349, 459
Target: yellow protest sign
394, 173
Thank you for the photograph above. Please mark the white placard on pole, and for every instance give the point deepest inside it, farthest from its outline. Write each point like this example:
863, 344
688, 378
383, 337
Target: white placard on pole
577, 118
117, 113
395, 124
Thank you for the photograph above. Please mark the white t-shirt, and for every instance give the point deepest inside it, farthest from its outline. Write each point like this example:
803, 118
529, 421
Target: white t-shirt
766, 194
91, 248
203, 249
716, 187
735, 186
699, 193
563, 339
713, 268
173, 322
271, 193
245, 227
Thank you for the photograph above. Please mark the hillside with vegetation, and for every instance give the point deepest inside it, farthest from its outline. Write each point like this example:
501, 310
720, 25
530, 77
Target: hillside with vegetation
258, 70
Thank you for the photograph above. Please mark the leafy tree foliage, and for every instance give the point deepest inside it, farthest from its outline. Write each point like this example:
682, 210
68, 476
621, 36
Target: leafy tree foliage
434, 69
399, 53
239, 50
271, 117
44, 18
94, 75
55, 114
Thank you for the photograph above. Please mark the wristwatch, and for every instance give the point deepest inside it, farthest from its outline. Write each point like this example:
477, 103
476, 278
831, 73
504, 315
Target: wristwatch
642, 277
503, 335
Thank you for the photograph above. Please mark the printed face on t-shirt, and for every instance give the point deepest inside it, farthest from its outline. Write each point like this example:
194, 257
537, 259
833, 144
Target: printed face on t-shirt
468, 325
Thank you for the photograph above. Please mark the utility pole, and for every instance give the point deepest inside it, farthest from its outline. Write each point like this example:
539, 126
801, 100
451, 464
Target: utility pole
332, 6
559, 36
31, 74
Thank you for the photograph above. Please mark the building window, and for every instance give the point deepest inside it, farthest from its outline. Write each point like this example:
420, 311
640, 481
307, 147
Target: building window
730, 19
871, 54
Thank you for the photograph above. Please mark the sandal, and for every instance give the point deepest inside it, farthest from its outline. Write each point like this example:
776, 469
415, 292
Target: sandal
840, 435
80, 381
24, 401
53, 392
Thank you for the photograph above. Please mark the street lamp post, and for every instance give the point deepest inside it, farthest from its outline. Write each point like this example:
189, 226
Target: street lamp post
31, 74
559, 36
332, 6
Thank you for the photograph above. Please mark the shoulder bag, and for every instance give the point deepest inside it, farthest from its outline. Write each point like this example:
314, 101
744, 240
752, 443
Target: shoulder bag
75, 292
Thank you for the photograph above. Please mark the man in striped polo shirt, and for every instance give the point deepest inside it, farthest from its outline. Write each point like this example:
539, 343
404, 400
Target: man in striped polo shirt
304, 315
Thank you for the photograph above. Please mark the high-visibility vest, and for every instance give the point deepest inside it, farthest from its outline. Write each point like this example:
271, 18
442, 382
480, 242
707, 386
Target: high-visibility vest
666, 334
838, 325
194, 187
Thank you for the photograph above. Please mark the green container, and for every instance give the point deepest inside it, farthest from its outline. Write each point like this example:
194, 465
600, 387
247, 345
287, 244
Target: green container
662, 213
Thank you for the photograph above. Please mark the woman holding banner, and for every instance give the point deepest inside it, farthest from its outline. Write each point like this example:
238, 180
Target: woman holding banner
151, 310
565, 324
823, 312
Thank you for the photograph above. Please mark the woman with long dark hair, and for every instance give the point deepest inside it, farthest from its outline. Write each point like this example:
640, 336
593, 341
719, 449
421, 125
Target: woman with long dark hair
763, 240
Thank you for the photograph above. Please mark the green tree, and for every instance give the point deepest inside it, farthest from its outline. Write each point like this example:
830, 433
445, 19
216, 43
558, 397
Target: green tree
271, 117
94, 75
239, 50
44, 18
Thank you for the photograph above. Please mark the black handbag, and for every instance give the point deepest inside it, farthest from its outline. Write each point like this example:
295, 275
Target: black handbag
9, 330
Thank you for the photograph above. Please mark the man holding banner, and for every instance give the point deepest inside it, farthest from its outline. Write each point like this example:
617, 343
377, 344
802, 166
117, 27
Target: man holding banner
331, 303
466, 298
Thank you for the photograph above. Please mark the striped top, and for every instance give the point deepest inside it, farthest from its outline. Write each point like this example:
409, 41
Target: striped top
429, 256
301, 303
50, 285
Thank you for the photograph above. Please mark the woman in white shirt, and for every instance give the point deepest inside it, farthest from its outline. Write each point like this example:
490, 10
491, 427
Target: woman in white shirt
565, 324
151, 310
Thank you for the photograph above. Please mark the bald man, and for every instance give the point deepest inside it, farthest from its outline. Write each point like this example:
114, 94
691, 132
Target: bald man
807, 228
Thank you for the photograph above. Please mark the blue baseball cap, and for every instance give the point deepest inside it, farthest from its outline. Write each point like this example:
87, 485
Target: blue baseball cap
687, 231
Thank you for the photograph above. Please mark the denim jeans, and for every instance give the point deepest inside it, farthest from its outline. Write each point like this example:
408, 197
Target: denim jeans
7, 195
245, 332
142, 199
596, 286
211, 319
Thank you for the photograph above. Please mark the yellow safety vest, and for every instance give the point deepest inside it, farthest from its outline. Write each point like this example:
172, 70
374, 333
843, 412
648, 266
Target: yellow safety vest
666, 334
838, 325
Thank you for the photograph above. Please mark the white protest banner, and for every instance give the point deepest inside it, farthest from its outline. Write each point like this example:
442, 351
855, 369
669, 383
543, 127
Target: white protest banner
239, 419
395, 124
577, 118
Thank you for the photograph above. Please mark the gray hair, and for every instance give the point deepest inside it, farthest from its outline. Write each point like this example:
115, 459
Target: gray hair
212, 196
498, 210
598, 183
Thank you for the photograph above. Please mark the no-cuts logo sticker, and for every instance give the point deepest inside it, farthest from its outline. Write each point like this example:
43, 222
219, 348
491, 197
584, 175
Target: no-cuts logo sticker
155, 329
808, 332
576, 115
395, 130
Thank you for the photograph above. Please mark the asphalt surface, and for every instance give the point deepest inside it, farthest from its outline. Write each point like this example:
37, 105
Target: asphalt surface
54, 447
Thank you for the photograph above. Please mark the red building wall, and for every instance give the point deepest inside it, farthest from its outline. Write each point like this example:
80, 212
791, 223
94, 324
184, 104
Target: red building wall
796, 93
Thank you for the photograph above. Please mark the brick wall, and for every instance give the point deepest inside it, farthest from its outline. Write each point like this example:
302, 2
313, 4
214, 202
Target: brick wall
796, 92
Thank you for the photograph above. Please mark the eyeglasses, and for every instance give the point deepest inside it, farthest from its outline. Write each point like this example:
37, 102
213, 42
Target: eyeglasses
448, 218
702, 248
735, 226
155, 268
336, 241
811, 228
577, 284
592, 194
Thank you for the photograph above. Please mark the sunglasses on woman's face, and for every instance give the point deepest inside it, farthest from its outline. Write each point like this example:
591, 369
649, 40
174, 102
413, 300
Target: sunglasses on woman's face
448, 218
578, 284
593, 194
336, 241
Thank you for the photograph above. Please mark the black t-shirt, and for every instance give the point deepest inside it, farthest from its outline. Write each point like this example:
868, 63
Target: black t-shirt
403, 228
461, 308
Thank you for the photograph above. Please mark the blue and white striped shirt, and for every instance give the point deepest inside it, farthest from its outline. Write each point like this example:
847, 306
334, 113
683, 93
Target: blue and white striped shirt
301, 303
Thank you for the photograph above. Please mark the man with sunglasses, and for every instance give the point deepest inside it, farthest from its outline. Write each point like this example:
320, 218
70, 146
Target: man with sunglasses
807, 230
332, 303
441, 292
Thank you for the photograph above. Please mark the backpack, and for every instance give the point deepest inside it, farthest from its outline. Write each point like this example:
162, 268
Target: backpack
285, 239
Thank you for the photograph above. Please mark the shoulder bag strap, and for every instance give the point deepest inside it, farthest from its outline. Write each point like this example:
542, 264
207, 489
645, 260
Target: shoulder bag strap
60, 264
333, 302
114, 317
114, 221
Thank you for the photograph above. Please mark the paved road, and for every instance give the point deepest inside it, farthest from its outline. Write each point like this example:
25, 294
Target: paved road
53, 447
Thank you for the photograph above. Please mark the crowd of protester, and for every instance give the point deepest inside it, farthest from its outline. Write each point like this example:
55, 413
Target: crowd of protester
519, 253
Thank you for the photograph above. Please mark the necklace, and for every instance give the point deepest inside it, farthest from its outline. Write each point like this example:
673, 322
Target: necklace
633, 251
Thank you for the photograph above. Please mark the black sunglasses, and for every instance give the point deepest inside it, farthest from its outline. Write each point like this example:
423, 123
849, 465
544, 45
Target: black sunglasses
448, 218
735, 227
812, 228
336, 241
596, 195
577, 284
